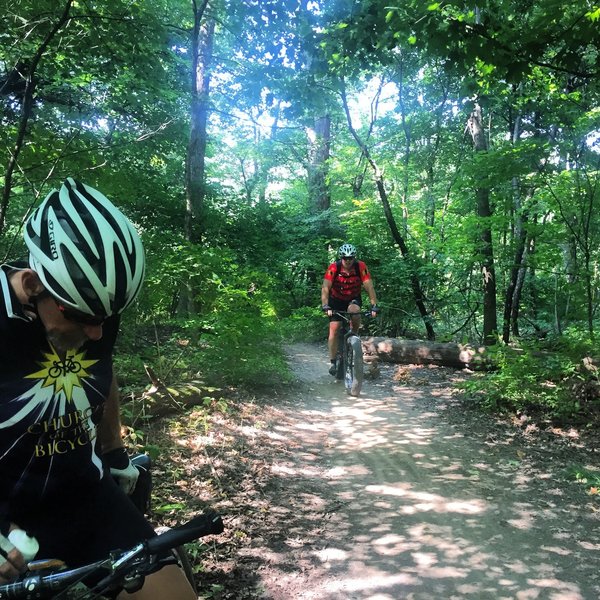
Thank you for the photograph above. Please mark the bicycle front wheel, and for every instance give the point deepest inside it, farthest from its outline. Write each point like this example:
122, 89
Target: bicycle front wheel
183, 559
353, 372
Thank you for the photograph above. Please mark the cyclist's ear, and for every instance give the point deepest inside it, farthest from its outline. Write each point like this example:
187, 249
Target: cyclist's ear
27, 285
31, 282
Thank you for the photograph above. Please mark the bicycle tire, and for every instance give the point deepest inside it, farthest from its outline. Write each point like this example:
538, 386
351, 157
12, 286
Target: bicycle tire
339, 357
348, 365
353, 377
183, 559
339, 367
186, 566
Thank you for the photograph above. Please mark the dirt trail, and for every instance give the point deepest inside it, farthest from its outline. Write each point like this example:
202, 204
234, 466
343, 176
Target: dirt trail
403, 494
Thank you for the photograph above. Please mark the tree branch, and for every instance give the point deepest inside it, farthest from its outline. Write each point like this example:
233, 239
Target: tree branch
26, 111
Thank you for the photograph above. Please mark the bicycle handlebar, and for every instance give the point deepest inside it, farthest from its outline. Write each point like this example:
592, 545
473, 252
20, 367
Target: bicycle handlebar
45, 586
207, 523
345, 313
40, 586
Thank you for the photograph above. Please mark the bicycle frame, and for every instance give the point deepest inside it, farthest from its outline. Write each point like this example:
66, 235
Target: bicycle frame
349, 359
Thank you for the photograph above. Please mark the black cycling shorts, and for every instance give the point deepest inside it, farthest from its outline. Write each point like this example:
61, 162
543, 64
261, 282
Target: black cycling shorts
85, 525
341, 305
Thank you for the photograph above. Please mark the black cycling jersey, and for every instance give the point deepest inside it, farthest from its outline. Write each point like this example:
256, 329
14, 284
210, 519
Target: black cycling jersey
84, 527
49, 407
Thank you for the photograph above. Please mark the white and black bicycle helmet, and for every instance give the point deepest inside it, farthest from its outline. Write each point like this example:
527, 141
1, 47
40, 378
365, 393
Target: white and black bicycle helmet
347, 250
85, 251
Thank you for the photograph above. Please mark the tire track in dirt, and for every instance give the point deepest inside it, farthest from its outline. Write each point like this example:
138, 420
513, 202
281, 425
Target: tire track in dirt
402, 494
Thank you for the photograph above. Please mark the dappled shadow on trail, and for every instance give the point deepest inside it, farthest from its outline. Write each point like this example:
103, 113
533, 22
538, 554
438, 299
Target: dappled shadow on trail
398, 494
385, 498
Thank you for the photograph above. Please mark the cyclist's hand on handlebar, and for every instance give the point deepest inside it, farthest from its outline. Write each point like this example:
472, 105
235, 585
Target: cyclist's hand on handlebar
11, 560
375, 310
122, 469
327, 310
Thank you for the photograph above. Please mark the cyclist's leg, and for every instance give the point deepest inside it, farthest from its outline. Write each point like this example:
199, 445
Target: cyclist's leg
167, 584
335, 322
354, 308
332, 342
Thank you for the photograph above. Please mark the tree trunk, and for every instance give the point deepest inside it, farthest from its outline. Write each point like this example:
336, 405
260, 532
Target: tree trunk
484, 212
517, 275
387, 210
202, 43
589, 290
517, 293
407, 142
319, 140
195, 193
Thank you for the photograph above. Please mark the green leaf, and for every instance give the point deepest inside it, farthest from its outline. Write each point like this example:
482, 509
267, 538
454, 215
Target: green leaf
165, 508
594, 15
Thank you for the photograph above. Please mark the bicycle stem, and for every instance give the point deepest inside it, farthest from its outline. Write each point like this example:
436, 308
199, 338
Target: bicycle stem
127, 557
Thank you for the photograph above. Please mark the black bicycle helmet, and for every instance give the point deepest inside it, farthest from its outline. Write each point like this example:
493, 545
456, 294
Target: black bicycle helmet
86, 252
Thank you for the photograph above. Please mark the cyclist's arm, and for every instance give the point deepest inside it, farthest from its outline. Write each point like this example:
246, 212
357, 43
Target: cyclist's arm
113, 449
325, 289
109, 429
370, 289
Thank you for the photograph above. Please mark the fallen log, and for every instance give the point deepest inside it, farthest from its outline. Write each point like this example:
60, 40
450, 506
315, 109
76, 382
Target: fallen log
420, 352
160, 400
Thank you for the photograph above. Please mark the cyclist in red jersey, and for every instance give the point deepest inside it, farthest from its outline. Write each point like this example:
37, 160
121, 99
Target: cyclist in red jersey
341, 291
61, 452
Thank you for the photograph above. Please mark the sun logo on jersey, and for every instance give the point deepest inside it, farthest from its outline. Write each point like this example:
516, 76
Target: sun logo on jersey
64, 374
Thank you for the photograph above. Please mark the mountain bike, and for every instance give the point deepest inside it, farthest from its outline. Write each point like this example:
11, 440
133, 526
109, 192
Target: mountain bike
50, 579
349, 358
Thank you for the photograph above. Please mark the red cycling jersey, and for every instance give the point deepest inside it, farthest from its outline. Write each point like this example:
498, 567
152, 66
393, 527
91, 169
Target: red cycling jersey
346, 285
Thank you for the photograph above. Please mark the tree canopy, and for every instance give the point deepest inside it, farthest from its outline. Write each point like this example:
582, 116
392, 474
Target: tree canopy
455, 144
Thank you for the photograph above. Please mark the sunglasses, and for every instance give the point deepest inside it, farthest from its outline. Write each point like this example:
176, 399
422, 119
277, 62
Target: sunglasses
348, 257
78, 317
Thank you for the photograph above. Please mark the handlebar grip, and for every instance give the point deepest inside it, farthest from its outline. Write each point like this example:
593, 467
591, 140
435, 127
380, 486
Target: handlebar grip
18, 589
207, 523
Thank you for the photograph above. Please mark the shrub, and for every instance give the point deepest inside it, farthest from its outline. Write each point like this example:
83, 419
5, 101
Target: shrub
306, 324
545, 378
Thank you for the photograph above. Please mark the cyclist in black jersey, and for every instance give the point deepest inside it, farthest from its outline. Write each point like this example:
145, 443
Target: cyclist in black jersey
60, 429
